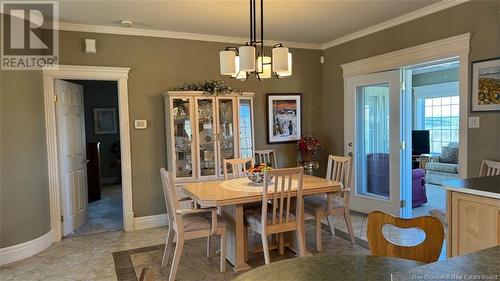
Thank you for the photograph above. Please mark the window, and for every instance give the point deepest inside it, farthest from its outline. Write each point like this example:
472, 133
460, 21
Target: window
246, 149
438, 112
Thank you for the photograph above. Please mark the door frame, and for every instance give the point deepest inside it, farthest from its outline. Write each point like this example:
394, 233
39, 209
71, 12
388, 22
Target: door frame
457, 46
77, 72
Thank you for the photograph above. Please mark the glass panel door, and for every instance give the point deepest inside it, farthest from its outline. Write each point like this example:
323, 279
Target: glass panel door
206, 136
246, 128
226, 130
373, 138
183, 137
372, 171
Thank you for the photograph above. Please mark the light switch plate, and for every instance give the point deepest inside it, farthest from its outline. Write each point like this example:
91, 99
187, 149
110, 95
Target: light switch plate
474, 122
140, 124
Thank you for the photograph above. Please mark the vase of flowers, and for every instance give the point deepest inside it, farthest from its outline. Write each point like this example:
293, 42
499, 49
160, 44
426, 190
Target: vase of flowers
309, 148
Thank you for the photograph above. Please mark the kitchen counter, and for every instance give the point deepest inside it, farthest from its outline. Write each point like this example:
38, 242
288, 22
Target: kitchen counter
482, 265
482, 186
473, 214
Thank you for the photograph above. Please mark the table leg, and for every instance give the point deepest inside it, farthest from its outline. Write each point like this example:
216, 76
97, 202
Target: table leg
235, 236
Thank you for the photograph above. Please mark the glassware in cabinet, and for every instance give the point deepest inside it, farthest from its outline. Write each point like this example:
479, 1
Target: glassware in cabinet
206, 136
183, 137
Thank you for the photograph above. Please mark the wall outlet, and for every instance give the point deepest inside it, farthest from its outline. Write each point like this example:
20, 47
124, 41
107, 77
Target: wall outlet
474, 122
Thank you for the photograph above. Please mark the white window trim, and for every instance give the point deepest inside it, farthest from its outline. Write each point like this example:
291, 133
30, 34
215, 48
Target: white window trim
430, 91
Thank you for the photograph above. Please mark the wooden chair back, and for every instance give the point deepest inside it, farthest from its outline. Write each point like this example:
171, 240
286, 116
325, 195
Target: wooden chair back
427, 251
171, 202
238, 167
146, 275
489, 168
266, 156
339, 169
281, 196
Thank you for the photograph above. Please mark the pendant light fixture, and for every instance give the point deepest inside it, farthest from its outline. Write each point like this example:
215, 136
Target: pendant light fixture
250, 59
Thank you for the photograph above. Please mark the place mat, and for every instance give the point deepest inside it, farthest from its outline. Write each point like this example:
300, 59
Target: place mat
245, 185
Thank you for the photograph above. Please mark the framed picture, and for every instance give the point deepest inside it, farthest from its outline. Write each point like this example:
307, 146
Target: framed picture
105, 121
486, 85
284, 118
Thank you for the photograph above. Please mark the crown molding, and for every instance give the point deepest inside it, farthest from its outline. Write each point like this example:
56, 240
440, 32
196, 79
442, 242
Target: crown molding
436, 7
174, 35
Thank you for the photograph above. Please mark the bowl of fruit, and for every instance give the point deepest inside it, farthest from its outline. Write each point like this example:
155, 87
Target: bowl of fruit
256, 173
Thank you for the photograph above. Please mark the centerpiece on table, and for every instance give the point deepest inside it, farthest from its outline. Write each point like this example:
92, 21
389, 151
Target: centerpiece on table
309, 148
256, 173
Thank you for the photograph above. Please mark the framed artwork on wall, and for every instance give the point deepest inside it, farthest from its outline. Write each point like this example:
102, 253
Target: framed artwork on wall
105, 121
486, 85
284, 118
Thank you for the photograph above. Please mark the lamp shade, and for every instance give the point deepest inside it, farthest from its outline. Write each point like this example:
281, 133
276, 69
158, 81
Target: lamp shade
239, 74
227, 62
264, 67
247, 58
280, 59
289, 71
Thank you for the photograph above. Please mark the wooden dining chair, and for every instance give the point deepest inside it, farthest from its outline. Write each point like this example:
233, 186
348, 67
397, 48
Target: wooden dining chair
188, 224
266, 156
427, 251
238, 167
332, 204
283, 217
489, 168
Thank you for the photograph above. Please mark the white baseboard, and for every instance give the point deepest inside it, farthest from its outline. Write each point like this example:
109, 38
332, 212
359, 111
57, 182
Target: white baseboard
26, 249
150, 221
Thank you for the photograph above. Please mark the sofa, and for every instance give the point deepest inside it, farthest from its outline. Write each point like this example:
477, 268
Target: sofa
444, 166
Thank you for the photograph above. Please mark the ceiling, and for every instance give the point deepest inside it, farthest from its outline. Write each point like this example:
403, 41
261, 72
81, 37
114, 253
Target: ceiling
310, 21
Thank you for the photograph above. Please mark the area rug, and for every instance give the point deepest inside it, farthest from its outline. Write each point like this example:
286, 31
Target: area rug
195, 266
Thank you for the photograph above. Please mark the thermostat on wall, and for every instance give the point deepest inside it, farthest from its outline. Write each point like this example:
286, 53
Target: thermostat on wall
140, 124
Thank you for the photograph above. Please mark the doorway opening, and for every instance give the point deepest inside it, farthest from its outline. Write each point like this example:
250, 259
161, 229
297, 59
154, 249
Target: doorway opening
89, 137
435, 134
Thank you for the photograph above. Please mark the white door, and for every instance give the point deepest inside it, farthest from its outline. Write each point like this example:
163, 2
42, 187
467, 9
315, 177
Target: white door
373, 139
72, 154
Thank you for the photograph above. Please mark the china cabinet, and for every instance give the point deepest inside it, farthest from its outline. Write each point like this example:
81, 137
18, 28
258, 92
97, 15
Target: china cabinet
203, 130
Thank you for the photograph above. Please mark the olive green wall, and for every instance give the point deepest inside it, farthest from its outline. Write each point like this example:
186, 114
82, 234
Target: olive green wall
158, 64
435, 77
482, 18
24, 190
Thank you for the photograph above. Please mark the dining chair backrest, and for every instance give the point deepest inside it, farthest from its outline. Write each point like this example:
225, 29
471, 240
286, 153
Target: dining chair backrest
238, 166
171, 202
427, 251
280, 195
489, 168
339, 169
266, 156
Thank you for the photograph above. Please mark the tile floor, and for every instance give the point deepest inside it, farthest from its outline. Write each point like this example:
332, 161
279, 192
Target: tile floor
105, 214
436, 199
90, 257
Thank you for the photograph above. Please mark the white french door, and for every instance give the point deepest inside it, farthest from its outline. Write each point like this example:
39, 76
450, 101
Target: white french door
372, 132
72, 154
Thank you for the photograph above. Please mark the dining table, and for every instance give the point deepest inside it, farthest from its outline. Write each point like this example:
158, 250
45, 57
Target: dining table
233, 195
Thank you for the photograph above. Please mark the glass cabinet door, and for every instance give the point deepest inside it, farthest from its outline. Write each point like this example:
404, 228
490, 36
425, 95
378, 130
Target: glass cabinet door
226, 131
206, 136
183, 137
246, 128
